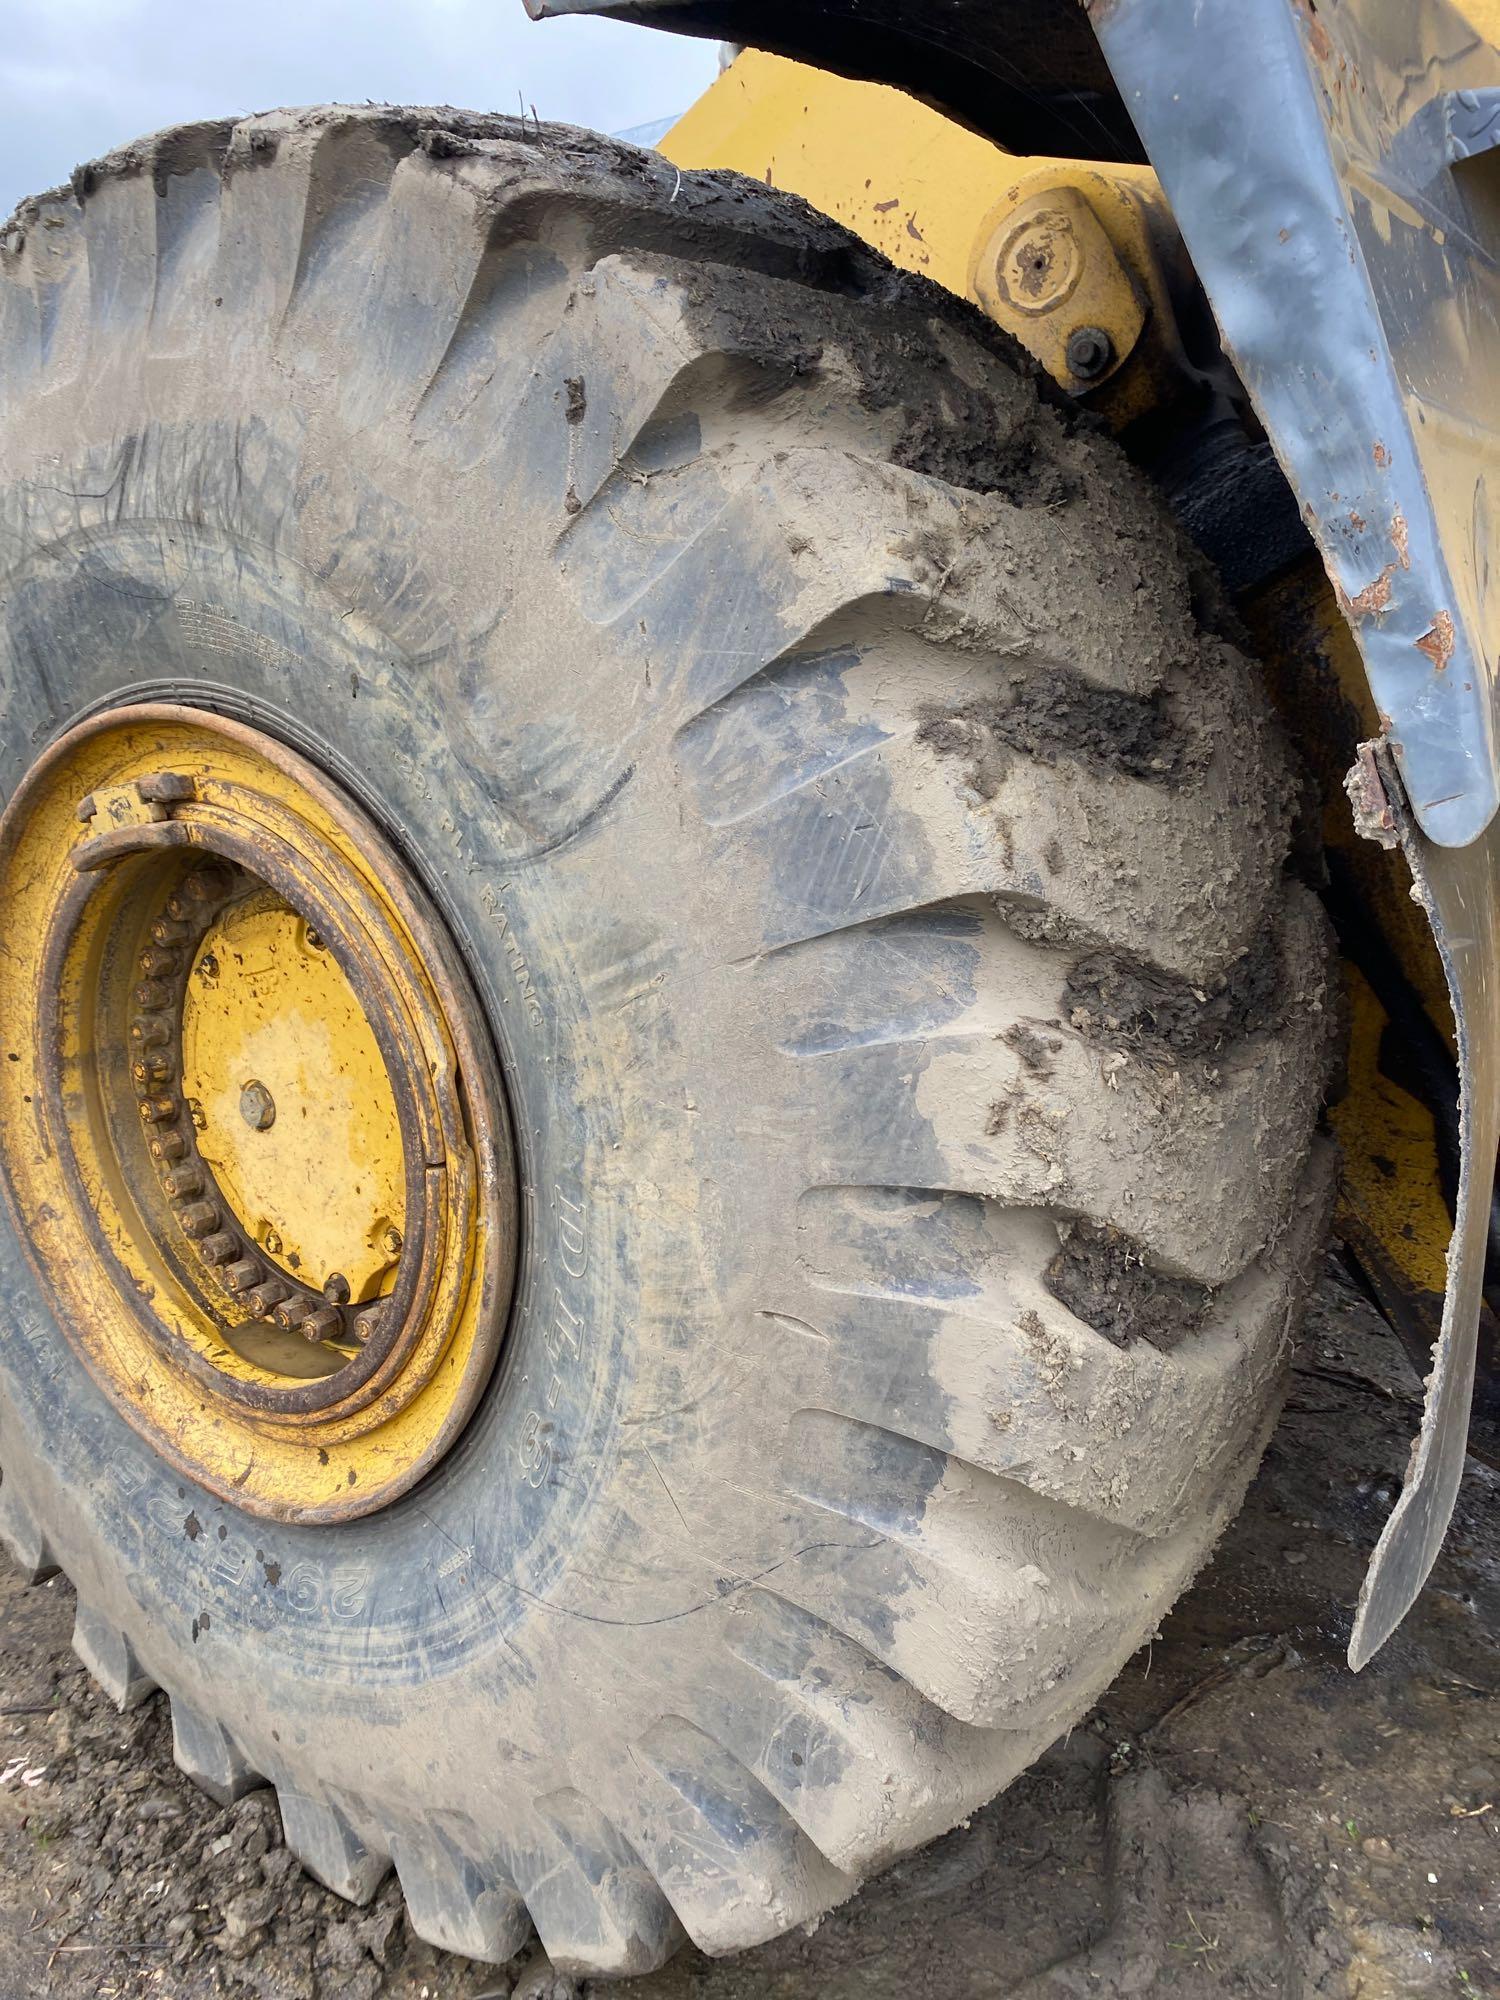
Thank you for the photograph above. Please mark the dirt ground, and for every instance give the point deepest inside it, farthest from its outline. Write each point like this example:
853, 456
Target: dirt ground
1238, 1816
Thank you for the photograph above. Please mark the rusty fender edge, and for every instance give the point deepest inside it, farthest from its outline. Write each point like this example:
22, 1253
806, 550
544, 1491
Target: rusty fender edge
1318, 156
1460, 890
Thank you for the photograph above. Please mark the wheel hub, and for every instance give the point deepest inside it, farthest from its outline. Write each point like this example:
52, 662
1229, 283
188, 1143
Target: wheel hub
249, 1119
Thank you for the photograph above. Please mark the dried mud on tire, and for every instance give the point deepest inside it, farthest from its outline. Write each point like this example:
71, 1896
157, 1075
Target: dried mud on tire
615, 537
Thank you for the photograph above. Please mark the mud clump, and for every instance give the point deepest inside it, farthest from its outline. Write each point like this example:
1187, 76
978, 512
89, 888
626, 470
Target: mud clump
1129, 1002
1051, 716
1103, 1279
1034, 1049
1023, 468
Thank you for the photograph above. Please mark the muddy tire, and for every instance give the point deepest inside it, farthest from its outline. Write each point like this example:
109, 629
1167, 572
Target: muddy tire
876, 883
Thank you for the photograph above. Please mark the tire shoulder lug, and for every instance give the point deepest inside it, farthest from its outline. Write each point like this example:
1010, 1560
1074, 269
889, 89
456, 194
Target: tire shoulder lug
328, 1847
204, 1751
110, 1658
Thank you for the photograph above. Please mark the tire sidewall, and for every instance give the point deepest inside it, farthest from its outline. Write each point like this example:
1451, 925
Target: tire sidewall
162, 608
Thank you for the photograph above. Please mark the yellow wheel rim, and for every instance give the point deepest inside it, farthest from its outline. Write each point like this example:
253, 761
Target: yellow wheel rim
250, 1123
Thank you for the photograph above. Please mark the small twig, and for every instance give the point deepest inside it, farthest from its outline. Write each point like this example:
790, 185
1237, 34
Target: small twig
1347, 1381
1209, 1944
1195, 1693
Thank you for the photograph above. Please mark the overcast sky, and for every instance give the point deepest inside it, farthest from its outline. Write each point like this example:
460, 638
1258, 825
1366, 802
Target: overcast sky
78, 77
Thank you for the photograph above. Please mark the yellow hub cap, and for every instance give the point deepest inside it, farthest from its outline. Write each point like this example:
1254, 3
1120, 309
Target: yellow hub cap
288, 1093
249, 1119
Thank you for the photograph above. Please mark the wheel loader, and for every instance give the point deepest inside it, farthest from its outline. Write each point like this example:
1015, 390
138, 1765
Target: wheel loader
717, 863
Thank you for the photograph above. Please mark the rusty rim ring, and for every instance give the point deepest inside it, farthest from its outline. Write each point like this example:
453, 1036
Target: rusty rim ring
455, 1140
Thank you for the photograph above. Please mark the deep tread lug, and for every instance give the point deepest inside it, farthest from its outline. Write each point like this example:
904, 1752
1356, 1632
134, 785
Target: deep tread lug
455, 1904
21, 1538
329, 1848
204, 1751
597, 1908
737, 1868
109, 1657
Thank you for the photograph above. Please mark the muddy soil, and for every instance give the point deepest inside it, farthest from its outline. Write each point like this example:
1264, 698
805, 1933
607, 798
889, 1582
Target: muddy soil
1239, 1816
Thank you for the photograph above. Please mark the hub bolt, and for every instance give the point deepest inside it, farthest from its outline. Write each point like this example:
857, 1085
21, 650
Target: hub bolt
199, 1217
322, 1322
168, 1146
220, 1247
257, 1107
1090, 351
336, 1289
242, 1275
159, 1110
206, 885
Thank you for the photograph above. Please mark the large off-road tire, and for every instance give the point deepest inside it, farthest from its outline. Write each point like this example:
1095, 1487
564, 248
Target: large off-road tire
876, 880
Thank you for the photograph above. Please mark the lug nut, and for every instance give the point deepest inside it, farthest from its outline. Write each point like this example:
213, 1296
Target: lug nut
149, 1070
150, 1032
220, 1247
206, 885
182, 1182
159, 1110
198, 1218
158, 964
242, 1275
266, 1296
257, 1107
152, 996
290, 1313
321, 1322
168, 1146
166, 931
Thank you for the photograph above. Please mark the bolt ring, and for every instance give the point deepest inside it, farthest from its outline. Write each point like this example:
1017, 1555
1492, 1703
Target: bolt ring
371, 1366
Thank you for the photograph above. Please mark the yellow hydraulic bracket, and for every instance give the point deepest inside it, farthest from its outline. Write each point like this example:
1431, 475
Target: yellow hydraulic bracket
1072, 259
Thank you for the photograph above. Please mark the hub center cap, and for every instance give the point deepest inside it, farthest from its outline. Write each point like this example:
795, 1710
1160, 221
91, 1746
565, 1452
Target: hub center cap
249, 1117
